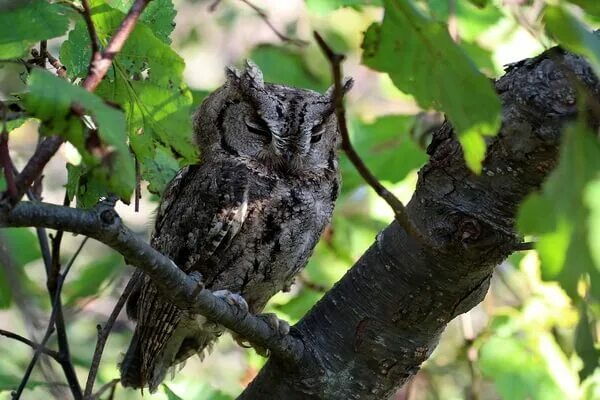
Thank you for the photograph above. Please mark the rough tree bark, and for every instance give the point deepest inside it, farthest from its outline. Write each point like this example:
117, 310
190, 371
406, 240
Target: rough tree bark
373, 330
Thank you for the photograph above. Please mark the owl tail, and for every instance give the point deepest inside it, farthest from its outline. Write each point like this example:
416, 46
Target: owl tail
131, 366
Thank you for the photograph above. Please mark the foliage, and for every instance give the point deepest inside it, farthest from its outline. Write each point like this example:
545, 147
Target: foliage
541, 339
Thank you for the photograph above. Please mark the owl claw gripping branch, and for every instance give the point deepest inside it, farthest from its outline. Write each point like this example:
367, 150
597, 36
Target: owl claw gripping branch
245, 218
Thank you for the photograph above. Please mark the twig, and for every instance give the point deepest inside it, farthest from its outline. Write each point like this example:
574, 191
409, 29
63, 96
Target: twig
99, 67
51, 322
33, 345
104, 224
335, 61
525, 246
95, 43
265, 18
6, 163
103, 337
307, 283
112, 385
60, 69
96, 72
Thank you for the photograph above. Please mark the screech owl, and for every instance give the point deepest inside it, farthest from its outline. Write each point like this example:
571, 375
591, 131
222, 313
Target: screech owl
246, 217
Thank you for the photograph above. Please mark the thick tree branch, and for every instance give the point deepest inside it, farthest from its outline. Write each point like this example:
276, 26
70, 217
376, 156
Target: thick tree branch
103, 224
381, 321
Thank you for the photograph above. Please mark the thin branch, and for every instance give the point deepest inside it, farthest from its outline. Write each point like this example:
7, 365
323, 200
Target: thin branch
525, 246
99, 67
60, 69
95, 43
6, 163
112, 385
335, 61
104, 224
103, 337
49, 330
265, 18
33, 345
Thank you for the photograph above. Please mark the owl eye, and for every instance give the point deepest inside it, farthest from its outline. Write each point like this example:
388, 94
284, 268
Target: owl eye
258, 127
317, 133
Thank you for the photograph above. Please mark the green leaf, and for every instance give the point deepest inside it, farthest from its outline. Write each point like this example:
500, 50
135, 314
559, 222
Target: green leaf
559, 217
50, 99
518, 369
92, 278
2, 183
573, 34
589, 6
283, 65
147, 82
435, 71
14, 240
584, 343
24, 23
170, 394
158, 16
386, 148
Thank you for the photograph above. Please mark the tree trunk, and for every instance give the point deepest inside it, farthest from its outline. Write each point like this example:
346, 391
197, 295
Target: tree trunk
372, 331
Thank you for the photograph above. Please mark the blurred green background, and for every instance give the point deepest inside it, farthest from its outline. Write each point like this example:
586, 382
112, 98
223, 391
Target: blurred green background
528, 339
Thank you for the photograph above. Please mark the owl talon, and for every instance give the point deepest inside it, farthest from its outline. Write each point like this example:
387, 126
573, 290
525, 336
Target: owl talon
233, 299
281, 326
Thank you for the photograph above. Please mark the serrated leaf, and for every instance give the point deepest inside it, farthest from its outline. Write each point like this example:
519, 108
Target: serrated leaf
50, 99
386, 148
573, 34
158, 15
92, 278
435, 71
29, 22
147, 82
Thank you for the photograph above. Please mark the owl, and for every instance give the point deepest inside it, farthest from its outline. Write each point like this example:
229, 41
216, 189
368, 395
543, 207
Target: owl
245, 219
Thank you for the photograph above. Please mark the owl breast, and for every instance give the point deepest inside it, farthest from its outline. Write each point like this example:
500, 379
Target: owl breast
283, 222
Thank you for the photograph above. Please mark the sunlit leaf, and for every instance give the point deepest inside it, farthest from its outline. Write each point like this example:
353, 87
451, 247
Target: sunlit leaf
51, 99
170, 394
559, 217
158, 16
27, 22
573, 34
435, 71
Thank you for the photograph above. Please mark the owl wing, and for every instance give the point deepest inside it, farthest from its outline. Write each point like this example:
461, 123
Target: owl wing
202, 210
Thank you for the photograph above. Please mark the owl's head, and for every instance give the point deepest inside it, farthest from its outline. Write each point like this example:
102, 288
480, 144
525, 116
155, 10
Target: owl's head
279, 127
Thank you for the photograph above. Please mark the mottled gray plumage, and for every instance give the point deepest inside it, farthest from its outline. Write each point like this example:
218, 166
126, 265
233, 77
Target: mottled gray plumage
247, 217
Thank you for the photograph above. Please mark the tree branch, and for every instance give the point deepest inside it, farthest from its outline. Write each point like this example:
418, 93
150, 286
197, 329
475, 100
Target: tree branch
103, 224
33, 345
103, 333
370, 333
335, 61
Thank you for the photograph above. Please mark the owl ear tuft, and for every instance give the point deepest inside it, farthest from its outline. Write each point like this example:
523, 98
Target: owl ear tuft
253, 75
232, 74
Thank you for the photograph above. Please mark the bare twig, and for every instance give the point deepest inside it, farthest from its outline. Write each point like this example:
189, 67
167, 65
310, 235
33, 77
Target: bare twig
265, 18
33, 345
6, 163
60, 69
104, 224
95, 43
112, 385
51, 323
525, 246
103, 337
335, 61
